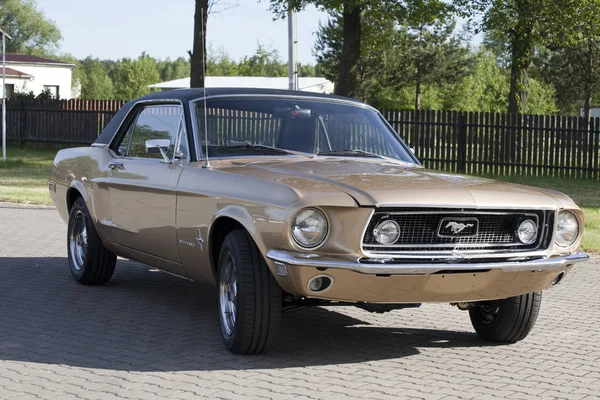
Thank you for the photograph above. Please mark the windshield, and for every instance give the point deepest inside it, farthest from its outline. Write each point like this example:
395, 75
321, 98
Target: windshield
271, 126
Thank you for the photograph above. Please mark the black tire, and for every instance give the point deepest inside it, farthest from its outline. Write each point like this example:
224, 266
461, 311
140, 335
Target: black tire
97, 264
257, 300
506, 321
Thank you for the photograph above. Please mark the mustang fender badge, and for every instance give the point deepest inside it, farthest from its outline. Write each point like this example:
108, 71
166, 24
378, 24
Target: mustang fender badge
192, 244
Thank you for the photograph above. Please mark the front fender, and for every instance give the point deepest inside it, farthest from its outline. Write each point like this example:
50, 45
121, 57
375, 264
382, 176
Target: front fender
263, 224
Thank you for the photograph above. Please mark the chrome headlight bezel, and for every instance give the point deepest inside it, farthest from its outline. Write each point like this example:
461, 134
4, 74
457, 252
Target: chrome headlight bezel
295, 224
380, 226
574, 231
536, 228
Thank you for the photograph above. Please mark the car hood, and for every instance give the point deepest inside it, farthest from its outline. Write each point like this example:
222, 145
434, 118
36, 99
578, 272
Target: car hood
375, 182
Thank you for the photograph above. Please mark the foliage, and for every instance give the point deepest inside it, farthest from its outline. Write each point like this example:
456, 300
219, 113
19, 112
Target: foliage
524, 26
264, 62
353, 16
397, 59
95, 82
31, 31
134, 76
44, 95
428, 53
170, 70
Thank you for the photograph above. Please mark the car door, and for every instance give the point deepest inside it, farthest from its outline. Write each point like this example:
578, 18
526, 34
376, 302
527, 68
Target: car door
142, 185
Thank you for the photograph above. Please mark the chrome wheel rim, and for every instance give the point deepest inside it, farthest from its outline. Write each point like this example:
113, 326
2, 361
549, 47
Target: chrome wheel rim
489, 312
78, 241
228, 294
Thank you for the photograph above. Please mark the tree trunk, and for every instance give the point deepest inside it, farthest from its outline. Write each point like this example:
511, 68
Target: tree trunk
347, 81
521, 49
587, 105
418, 95
198, 54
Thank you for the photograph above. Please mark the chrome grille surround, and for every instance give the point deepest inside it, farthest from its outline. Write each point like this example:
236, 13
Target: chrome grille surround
420, 227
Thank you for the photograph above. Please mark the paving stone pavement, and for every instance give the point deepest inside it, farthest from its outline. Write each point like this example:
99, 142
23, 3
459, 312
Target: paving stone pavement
147, 334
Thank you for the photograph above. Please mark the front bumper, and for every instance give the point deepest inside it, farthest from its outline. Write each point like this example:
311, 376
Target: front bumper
418, 283
540, 264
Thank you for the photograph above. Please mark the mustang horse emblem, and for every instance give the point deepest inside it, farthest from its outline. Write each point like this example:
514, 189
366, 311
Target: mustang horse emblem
457, 227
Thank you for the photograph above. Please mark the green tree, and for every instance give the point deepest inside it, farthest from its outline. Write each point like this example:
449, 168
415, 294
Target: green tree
428, 53
264, 62
219, 63
378, 42
171, 70
526, 25
132, 77
352, 12
31, 31
96, 84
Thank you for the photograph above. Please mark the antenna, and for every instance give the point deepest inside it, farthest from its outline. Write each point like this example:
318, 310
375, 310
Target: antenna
207, 163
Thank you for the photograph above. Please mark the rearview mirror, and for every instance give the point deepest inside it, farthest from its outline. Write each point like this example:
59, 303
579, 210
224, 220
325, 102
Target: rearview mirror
159, 146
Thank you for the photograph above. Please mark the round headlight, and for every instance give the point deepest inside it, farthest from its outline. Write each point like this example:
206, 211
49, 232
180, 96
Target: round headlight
387, 232
527, 232
309, 228
567, 229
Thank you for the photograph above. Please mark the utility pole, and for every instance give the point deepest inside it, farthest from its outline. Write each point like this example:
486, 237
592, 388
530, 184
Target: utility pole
4, 37
292, 51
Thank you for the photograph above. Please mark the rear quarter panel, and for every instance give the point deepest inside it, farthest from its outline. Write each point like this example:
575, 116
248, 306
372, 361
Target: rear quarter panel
82, 169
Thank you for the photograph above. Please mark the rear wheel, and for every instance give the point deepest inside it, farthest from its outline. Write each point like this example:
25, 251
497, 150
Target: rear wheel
89, 261
508, 320
249, 297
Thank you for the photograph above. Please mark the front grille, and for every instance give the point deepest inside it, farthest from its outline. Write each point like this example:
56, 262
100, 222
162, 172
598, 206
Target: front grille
431, 230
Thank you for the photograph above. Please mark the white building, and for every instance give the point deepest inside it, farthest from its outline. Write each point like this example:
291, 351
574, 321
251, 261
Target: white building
26, 74
317, 85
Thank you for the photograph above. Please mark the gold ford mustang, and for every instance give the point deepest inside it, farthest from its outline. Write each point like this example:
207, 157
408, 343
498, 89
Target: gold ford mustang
288, 199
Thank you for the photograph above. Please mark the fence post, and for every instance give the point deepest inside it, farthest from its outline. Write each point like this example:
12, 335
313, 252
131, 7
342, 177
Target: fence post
462, 143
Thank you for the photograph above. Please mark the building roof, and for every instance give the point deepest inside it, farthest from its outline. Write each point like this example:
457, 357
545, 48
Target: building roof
13, 73
27, 59
321, 85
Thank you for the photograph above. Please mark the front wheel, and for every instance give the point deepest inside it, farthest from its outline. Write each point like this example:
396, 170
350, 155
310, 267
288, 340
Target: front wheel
249, 297
508, 320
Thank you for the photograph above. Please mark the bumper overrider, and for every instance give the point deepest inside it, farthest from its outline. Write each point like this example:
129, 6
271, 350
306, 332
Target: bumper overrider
388, 281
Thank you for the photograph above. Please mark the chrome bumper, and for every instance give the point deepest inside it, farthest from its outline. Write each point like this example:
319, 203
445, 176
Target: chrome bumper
548, 263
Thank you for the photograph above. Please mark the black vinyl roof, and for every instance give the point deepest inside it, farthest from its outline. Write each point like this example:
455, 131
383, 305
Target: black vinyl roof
186, 95
192, 94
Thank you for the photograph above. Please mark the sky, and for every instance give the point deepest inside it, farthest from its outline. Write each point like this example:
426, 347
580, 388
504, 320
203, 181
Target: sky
113, 29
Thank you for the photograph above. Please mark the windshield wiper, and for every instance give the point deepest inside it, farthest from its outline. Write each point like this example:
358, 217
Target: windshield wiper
251, 146
265, 147
362, 153
349, 152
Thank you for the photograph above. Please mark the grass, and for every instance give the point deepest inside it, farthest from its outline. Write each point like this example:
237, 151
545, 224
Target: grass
24, 179
24, 175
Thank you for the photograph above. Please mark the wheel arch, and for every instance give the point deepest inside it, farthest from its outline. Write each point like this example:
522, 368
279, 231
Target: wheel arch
225, 221
75, 190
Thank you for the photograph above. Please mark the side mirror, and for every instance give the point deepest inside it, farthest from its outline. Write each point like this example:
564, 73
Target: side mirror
159, 146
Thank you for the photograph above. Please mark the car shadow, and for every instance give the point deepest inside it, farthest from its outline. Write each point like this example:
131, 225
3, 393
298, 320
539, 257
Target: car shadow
146, 320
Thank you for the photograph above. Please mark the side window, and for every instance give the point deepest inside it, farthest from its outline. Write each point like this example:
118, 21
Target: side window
121, 150
158, 122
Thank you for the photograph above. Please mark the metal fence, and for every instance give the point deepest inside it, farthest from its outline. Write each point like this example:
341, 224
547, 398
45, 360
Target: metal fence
472, 143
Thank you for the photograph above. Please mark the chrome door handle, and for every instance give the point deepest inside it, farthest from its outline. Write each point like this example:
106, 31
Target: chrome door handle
116, 165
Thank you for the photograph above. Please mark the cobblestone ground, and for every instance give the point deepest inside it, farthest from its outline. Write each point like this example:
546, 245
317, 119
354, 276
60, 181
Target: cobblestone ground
147, 334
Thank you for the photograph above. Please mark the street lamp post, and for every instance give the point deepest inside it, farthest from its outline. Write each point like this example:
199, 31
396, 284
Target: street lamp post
4, 37
292, 51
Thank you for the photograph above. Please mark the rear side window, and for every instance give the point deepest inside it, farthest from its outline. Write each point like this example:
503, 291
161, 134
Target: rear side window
155, 122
